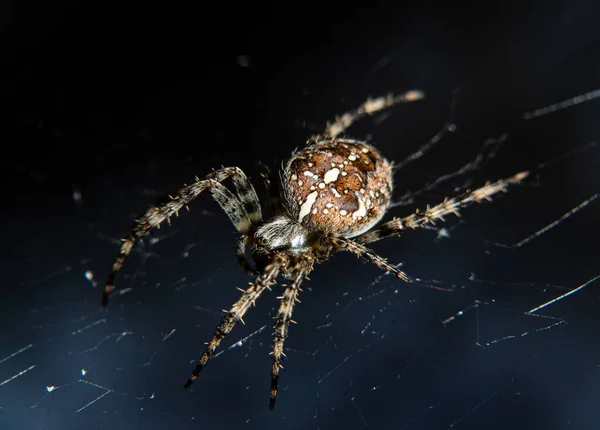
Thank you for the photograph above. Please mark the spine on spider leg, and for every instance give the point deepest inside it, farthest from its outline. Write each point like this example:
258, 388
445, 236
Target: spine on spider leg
453, 205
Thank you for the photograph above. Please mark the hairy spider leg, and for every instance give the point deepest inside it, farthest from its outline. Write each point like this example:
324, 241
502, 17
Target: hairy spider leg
273, 186
448, 206
243, 188
155, 215
231, 205
364, 252
284, 317
371, 106
241, 255
265, 280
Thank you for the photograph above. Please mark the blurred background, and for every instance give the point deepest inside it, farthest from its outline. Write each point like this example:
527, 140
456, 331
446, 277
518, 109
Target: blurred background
109, 106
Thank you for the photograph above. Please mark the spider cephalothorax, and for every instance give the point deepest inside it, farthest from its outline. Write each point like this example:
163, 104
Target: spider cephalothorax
333, 193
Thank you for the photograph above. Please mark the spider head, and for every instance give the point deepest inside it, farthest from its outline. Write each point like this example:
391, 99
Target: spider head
282, 233
338, 186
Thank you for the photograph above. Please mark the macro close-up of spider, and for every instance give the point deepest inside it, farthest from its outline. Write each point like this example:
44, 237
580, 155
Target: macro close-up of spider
368, 217
330, 197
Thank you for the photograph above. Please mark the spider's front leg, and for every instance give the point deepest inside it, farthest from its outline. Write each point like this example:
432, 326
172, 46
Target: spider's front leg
242, 257
243, 209
273, 186
371, 106
439, 211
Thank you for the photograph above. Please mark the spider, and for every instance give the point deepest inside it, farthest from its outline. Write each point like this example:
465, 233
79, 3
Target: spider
331, 195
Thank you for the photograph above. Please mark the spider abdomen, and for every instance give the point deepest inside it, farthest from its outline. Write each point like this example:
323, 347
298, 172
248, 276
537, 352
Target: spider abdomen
340, 186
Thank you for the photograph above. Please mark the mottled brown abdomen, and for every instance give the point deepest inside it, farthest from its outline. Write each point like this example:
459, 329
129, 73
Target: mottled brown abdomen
340, 186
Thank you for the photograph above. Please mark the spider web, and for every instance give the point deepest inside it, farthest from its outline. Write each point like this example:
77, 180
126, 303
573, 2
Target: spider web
499, 329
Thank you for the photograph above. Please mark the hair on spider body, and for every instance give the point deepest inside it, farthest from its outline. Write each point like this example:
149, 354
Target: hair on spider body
333, 193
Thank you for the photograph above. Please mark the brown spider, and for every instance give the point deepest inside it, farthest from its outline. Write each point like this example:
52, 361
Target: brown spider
334, 191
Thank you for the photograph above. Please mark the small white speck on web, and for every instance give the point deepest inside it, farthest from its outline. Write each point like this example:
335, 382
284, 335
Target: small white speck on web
89, 275
243, 60
77, 196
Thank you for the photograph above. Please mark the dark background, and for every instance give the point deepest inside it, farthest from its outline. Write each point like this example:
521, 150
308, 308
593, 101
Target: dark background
109, 107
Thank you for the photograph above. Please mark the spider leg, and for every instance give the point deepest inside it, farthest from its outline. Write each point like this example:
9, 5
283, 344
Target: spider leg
284, 317
265, 280
241, 255
364, 252
437, 212
341, 123
231, 205
243, 188
273, 187
155, 215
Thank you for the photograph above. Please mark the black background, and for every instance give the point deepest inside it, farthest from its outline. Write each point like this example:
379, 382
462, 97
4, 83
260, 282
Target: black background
125, 103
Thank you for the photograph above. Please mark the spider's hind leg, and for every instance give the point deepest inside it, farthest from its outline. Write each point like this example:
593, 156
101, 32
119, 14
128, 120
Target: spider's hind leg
273, 186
